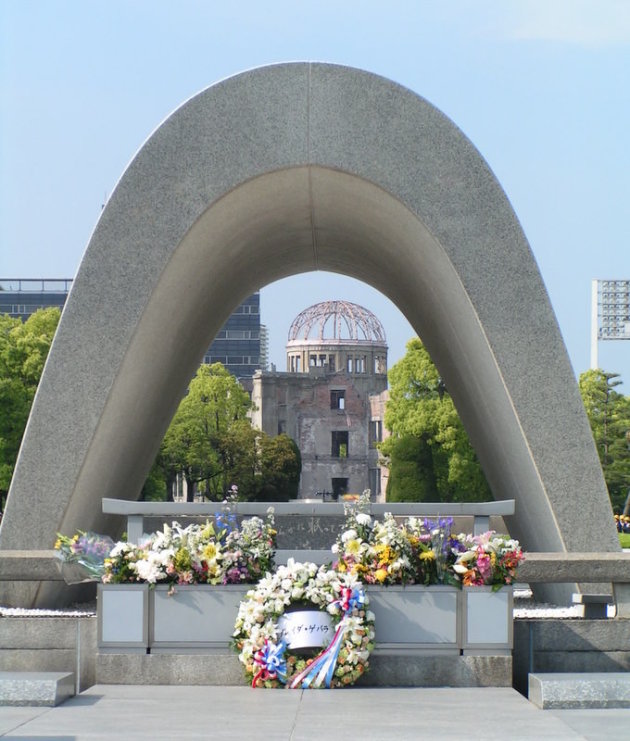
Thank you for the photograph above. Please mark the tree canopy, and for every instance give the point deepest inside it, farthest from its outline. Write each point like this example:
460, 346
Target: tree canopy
24, 348
429, 453
210, 440
212, 443
608, 412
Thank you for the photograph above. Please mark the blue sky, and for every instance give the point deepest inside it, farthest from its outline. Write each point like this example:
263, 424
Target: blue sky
541, 87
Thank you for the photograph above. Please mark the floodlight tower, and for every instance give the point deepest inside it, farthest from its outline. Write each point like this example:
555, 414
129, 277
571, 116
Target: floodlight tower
610, 313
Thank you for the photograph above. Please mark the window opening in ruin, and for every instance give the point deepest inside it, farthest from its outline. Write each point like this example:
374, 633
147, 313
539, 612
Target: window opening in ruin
380, 364
375, 481
360, 364
331, 362
339, 487
376, 432
337, 399
339, 444
350, 364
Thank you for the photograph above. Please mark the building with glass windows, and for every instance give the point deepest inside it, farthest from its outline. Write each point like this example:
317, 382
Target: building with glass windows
237, 345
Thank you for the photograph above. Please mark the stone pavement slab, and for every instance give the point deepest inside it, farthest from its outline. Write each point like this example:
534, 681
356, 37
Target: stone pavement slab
602, 724
150, 712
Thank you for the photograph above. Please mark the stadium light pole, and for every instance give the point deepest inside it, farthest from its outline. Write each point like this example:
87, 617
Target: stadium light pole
610, 313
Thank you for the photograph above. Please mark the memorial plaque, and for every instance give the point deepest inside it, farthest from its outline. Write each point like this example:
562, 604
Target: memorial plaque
316, 532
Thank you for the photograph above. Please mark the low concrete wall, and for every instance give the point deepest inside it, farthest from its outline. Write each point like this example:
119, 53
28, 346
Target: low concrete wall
50, 644
385, 671
569, 645
540, 645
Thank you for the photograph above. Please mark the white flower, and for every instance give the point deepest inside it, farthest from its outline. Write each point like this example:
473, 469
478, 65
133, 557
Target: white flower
348, 535
364, 519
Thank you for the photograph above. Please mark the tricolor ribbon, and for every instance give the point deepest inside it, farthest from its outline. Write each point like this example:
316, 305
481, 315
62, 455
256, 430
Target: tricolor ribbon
270, 659
322, 668
351, 599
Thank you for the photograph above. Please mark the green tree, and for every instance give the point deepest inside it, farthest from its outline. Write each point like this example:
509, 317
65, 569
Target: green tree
212, 443
608, 412
411, 477
200, 439
442, 457
24, 348
280, 468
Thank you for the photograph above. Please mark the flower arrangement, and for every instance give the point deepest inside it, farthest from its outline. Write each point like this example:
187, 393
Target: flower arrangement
488, 559
421, 551
87, 549
264, 641
217, 552
375, 552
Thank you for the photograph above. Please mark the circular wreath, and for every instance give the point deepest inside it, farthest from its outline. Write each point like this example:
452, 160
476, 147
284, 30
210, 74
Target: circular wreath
262, 649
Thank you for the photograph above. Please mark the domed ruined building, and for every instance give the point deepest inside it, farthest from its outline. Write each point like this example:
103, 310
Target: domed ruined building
331, 399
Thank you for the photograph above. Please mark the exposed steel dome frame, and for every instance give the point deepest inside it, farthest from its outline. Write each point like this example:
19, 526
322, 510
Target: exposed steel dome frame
361, 324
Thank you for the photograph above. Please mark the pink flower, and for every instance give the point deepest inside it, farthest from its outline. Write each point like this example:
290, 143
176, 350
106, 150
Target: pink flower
484, 565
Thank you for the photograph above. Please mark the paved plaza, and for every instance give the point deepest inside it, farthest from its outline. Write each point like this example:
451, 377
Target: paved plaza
135, 713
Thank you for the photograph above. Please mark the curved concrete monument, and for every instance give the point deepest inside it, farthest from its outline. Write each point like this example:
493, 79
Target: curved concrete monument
282, 170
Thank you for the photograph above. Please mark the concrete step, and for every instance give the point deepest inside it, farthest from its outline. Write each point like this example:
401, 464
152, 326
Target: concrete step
36, 688
569, 690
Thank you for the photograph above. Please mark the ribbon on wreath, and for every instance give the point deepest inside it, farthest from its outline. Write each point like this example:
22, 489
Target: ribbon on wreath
322, 668
270, 659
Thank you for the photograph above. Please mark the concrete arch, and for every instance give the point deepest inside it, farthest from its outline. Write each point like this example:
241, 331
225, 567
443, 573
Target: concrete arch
287, 169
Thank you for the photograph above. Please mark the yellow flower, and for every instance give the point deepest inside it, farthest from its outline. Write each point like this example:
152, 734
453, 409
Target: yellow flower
427, 556
210, 551
353, 547
213, 570
208, 531
380, 575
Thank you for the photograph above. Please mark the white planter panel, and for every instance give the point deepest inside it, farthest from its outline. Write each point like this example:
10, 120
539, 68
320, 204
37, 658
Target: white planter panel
422, 616
200, 615
123, 615
487, 618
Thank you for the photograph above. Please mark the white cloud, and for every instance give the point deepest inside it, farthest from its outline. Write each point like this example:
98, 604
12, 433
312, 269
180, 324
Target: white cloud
581, 22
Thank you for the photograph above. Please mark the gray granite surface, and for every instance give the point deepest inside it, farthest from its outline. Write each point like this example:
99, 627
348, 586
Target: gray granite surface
35, 688
160, 713
580, 690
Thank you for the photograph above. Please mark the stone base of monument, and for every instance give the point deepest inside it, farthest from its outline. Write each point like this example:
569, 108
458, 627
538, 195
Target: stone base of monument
425, 636
385, 670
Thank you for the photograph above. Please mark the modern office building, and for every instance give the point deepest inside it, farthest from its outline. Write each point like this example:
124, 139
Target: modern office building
237, 345
21, 297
